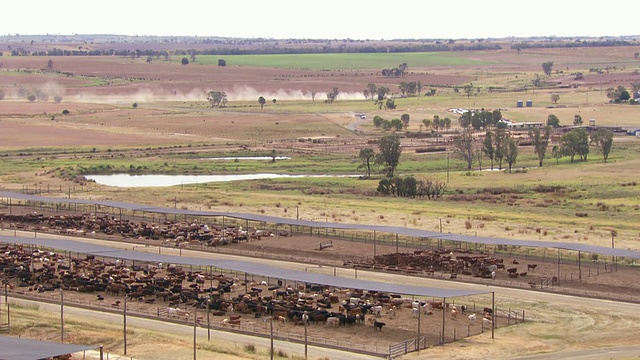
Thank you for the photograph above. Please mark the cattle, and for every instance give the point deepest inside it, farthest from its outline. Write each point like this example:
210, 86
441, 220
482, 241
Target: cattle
281, 319
454, 314
377, 325
376, 310
486, 322
415, 312
488, 311
531, 267
472, 317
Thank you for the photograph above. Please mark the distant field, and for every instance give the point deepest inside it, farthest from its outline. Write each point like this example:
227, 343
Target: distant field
343, 61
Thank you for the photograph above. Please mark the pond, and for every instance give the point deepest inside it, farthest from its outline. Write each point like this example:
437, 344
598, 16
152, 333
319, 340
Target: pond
126, 180
240, 158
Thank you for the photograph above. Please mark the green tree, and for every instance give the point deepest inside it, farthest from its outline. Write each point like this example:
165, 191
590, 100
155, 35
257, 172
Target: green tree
390, 151
603, 141
465, 119
575, 142
57, 99
50, 65
396, 124
262, 101
185, 61
468, 89
540, 142
2, 95
618, 94
553, 121
555, 98
577, 120
377, 121
496, 116
487, 147
427, 123
556, 152
373, 89
31, 97
217, 98
382, 92
547, 67
437, 124
499, 140
367, 157
446, 122
222, 62
464, 147
510, 151
390, 104
405, 120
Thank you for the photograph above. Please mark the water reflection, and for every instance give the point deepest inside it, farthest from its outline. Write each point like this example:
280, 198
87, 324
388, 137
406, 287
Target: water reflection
126, 180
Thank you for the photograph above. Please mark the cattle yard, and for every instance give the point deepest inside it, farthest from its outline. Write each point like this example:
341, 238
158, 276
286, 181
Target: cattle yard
340, 318
246, 303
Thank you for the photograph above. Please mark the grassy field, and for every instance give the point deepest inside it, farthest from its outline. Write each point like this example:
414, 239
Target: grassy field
351, 61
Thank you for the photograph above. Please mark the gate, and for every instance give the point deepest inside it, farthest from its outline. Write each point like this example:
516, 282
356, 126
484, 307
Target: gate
406, 346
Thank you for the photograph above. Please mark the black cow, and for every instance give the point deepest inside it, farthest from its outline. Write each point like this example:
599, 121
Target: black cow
377, 325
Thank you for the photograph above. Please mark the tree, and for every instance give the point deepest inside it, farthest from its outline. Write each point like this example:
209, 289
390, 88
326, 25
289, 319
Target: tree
636, 55
332, 96
603, 141
396, 124
577, 120
149, 59
468, 89
618, 94
465, 119
31, 97
575, 142
373, 89
487, 147
313, 96
540, 142
547, 67
185, 61
274, 101
367, 156
556, 152
217, 98
553, 121
496, 116
365, 93
499, 141
555, 98
50, 65
135, 105
427, 123
222, 62
405, 120
193, 56
261, 101
464, 147
2, 95
382, 92
377, 121
510, 151
390, 104
57, 99
437, 124
390, 151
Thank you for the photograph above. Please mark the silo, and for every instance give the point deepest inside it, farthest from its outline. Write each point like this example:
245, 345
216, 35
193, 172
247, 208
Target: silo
529, 103
519, 103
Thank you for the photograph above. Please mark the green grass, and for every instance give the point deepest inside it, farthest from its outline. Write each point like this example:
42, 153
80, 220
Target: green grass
351, 61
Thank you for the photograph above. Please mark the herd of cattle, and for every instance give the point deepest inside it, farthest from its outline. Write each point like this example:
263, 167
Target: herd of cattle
177, 231
170, 287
